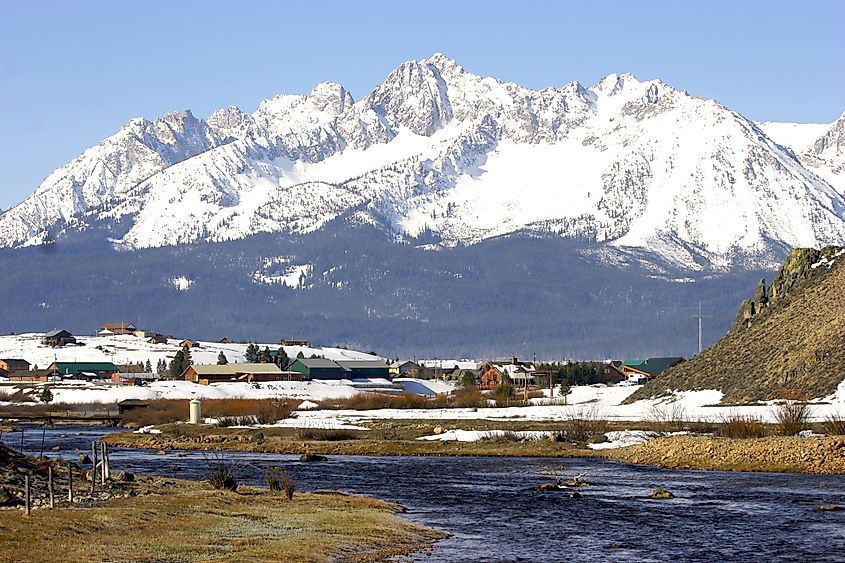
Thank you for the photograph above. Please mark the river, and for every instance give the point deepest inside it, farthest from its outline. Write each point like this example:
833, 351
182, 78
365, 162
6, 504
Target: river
493, 509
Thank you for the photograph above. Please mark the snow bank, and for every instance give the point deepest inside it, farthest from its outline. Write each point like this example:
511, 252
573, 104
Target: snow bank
476, 435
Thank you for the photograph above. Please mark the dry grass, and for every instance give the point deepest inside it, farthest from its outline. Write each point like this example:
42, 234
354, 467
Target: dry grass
370, 401
667, 417
581, 423
834, 424
236, 411
328, 434
189, 522
736, 425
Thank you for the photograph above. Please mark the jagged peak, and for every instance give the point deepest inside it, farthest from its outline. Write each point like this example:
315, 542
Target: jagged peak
331, 96
614, 83
441, 61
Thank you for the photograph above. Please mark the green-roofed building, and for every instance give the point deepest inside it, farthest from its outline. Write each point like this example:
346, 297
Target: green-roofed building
649, 368
83, 370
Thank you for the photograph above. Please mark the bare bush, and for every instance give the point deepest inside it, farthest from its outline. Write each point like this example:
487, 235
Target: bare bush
286, 484
791, 418
834, 424
670, 417
581, 423
222, 473
505, 436
735, 425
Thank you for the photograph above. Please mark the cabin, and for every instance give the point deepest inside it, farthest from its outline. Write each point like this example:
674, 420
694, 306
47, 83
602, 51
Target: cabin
189, 344
360, 369
405, 368
83, 370
114, 329
130, 404
157, 339
319, 368
205, 374
294, 342
57, 338
8, 365
638, 370
226, 340
31, 376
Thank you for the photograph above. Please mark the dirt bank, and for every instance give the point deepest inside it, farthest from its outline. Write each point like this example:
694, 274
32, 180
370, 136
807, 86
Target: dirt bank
823, 454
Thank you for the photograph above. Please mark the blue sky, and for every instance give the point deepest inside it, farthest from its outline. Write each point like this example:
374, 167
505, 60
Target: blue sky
71, 73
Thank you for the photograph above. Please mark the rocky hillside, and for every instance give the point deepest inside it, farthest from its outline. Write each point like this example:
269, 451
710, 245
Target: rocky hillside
788, 341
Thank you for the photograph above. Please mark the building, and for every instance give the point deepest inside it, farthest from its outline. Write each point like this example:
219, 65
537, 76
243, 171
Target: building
205, 374
157, 339
319, 368
359, 369
639, 370
133, 377
112, 329
58, 337
189, 344
83, 370
294, 342
31, 376
130, 404
521, 374
8, 365
405, 368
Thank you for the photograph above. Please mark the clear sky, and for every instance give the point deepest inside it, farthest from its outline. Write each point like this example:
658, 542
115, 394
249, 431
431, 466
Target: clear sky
72, 72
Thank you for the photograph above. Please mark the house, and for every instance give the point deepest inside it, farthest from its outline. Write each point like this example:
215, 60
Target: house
294, 342
226, 340
521, 374
83, 370
157, 339
256, 372
58, 337
189, 344
405, 368
365, 368
638, 370
319, 368
9, 365
112, 329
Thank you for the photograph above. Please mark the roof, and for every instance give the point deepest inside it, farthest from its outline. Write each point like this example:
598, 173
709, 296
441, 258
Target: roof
401, 363
312, 363
118, 325
132, 403
255, 368
653, 366
76, 367
213, 369
14, 360
361, 364
56, 332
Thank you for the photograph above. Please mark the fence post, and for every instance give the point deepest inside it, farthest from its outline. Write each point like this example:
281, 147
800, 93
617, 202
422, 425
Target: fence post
94, 465
50, 486
69, 483
27, 494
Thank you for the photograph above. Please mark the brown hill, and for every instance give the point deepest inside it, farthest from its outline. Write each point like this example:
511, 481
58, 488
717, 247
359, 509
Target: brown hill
788, 342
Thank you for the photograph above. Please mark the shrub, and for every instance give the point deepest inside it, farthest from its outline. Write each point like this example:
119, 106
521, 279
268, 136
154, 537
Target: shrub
735, 425
834, 424
286, 484
236, 411
221, 473
372, 401
271, 478
468, 397
504, 392
507, 436
791, 418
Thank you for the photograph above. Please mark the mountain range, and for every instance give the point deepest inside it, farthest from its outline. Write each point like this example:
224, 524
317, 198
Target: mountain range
635, 176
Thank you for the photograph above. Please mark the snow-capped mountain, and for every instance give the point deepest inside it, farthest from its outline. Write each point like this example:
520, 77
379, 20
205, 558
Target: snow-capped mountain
637, 165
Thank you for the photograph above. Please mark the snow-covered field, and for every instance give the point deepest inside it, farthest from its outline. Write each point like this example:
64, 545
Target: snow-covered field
127, 349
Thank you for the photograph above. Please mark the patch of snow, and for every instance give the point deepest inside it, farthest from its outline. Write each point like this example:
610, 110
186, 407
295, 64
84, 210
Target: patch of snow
181, 283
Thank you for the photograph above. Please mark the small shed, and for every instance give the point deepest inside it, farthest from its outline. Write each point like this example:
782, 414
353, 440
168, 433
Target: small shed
130, 404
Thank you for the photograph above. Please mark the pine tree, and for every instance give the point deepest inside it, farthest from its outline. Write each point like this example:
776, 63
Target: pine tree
148, 367
264, 356
46, 395
282, 359
221, 359
252, 353
161, 367
176, 364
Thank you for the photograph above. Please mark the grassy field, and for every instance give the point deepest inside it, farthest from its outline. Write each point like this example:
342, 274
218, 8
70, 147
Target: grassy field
187, 521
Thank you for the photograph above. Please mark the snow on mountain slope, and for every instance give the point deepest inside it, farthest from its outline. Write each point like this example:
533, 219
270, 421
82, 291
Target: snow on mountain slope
434, 147
797, 136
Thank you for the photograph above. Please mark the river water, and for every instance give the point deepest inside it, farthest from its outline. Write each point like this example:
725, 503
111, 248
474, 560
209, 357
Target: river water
493, 509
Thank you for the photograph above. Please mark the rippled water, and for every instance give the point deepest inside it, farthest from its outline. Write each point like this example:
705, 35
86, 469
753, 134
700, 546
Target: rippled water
494, 512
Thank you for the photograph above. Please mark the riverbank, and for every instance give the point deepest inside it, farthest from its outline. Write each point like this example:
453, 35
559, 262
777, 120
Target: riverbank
792, 454
815, 454
174, 520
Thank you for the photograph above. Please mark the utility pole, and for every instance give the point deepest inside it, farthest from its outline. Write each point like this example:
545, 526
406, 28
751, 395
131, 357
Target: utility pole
700, 316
